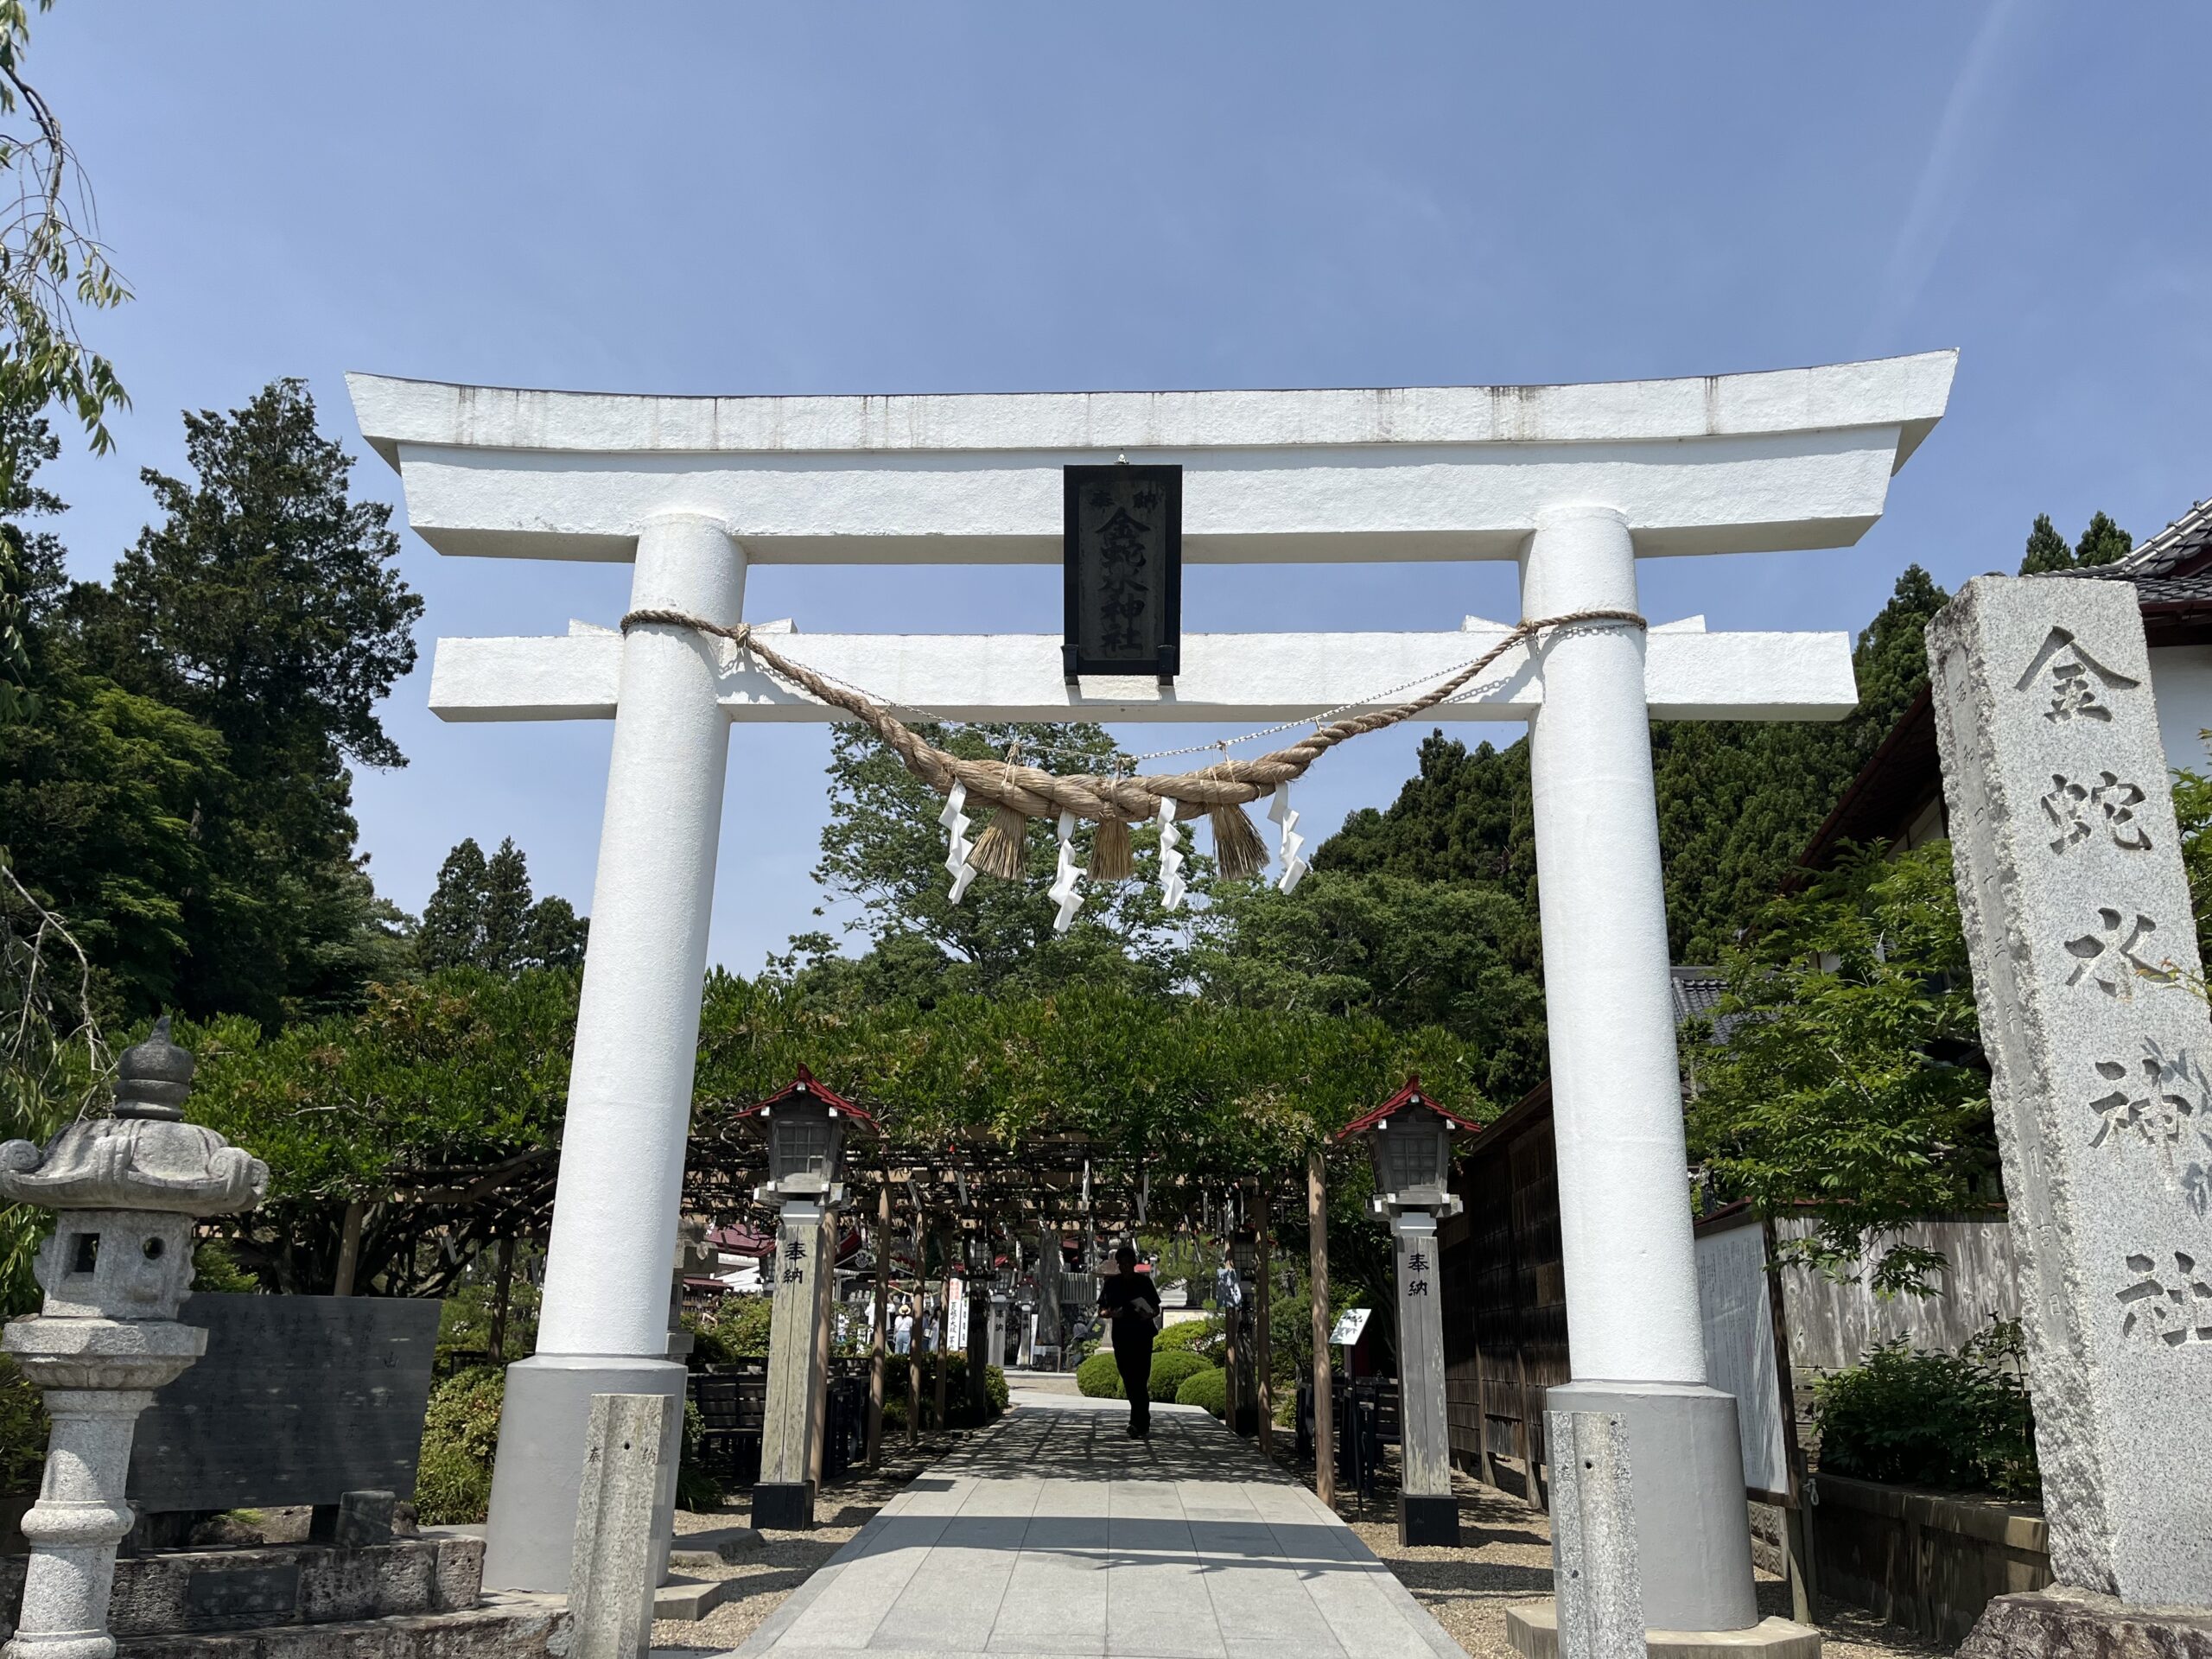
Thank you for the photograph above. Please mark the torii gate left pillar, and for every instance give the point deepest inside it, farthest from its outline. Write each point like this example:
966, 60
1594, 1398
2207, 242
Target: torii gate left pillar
1577, 483
629, 1112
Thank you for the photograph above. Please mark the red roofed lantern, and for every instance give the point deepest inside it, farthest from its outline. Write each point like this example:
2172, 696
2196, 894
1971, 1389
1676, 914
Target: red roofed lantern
806, 1124
1409, 1136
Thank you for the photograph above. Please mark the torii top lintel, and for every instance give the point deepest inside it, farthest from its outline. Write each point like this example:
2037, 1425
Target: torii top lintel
1793, 458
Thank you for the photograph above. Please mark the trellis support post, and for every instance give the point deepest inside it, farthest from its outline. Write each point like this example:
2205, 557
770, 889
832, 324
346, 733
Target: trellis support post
879, 1346
1263, 1366
1324, 1403
937, 1400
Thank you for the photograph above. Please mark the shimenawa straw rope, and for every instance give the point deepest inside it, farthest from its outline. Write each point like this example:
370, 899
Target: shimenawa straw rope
1022, 791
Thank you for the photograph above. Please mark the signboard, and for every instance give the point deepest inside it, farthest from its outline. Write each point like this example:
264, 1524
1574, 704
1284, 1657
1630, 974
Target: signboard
1351, 1325
1124, 559
1739, 1352
955, 1314
300, 1400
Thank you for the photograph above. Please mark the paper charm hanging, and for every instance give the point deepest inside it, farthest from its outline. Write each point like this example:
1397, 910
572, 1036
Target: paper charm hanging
1062, 891
957, 847
1171, 885
1293, 865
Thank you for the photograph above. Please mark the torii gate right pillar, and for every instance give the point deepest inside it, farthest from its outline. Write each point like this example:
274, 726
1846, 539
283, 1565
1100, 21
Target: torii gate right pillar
1633, 1339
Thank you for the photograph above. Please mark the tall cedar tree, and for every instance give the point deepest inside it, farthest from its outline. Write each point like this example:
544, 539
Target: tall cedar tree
2102, 542
482, 915
265, 607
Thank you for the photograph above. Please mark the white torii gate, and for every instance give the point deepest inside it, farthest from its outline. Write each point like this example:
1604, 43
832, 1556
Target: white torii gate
1574, 482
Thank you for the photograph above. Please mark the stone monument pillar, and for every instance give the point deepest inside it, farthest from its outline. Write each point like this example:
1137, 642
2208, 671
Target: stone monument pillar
127, 1190
2082, 939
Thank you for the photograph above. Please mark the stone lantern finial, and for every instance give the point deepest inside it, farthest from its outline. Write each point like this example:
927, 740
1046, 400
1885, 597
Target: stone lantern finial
153, 1078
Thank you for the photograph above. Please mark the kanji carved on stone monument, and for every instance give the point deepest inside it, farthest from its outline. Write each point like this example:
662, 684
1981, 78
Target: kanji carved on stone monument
2080, 930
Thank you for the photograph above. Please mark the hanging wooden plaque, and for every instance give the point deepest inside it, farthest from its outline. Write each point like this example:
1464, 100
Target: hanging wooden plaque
1123, 556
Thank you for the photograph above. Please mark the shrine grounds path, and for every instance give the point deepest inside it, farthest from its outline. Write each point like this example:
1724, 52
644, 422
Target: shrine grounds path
1053, 1534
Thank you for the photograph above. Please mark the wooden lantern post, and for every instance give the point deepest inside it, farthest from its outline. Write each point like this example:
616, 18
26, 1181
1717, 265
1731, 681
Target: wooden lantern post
1410, 1137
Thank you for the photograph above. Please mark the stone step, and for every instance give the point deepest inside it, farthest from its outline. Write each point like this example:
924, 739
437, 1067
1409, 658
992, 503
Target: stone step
507, 1626
231, 1589
690, 1599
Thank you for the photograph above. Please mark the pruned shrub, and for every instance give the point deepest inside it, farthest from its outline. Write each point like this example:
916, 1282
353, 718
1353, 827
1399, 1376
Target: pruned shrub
1098, 1377
1201, 1337
461, 1433
1208, 1388
1169, 1369
1959, 1422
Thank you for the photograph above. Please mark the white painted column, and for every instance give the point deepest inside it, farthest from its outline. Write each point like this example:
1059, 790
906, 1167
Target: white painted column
638, 1026
1624, 1217
604, 1325
1634, 1342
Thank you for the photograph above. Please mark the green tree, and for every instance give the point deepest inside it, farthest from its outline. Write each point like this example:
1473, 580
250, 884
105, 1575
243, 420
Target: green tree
1459, 955
2102, 542
883, 850
51, 261
1737, 800
481, 915
1849, 1077
264, 607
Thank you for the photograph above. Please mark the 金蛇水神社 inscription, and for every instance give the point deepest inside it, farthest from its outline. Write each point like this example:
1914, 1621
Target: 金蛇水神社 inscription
2082, 939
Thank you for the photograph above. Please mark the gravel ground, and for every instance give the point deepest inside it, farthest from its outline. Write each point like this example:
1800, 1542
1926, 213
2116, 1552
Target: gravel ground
1505, 1556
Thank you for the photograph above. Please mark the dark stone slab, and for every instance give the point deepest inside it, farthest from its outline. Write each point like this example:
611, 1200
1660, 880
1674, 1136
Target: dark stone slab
300, 1401
1428, 1522
2063, 1624
783, 1505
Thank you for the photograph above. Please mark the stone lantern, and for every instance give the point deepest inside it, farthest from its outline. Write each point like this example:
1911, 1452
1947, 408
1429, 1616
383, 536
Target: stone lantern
1410, 1137
806, 1126
127, 1190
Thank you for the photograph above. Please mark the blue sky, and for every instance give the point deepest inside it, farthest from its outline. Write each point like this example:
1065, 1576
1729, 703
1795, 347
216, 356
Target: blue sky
841, 198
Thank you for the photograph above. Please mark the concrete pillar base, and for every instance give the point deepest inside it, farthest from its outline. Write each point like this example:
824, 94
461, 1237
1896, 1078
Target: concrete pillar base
1533, 1630
1431, 1522
783, 1505
1686, 1470
543, 1427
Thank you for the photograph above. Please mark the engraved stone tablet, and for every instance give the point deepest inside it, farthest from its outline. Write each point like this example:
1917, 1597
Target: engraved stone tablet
2082, 940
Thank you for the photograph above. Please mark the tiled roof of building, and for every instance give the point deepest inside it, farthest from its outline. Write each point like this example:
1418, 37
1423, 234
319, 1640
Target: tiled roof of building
1697, 991
2177, 549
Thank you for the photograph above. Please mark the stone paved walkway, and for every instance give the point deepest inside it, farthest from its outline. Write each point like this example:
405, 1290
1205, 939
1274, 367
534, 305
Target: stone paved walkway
1053, 1534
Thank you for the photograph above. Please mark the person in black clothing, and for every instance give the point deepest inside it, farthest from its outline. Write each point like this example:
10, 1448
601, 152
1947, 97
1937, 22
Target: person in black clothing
1129, 1299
